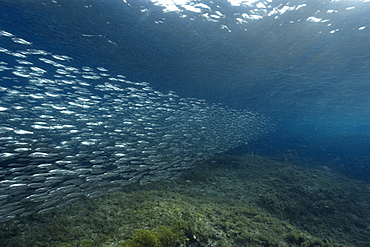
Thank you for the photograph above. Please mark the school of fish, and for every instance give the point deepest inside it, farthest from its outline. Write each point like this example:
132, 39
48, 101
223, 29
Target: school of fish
68, 132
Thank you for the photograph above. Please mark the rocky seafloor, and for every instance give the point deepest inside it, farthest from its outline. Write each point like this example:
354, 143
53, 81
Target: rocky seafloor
231, 200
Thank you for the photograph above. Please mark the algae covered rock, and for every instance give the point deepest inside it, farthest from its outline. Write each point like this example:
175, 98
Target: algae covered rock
245, 201
161, 236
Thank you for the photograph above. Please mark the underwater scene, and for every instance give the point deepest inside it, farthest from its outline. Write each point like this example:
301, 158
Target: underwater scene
184, 123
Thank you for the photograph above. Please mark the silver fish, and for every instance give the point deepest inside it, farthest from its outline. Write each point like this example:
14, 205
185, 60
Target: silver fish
68, 132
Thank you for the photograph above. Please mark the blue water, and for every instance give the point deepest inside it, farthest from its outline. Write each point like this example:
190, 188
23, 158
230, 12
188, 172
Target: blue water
97, 95
304, 64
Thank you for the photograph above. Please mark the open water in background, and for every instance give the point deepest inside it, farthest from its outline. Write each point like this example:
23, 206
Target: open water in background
305, 64
98, 96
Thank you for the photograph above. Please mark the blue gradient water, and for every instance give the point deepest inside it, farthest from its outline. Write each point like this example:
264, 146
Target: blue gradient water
305, 64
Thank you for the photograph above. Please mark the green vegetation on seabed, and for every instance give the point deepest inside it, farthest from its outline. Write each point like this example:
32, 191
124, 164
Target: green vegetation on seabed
229, 201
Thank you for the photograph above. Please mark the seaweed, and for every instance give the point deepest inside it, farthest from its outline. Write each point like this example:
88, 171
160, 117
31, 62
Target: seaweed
248, 204
161, 236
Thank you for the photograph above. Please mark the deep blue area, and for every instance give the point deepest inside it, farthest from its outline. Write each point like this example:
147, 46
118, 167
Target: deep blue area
313, 83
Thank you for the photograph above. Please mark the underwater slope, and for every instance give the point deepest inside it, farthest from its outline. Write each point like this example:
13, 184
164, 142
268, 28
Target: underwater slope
67, 132
227, 201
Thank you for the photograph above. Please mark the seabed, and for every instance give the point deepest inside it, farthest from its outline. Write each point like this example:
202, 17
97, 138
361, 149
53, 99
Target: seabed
231, 200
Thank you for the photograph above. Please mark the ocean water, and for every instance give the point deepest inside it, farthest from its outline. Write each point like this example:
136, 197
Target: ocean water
96, 95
